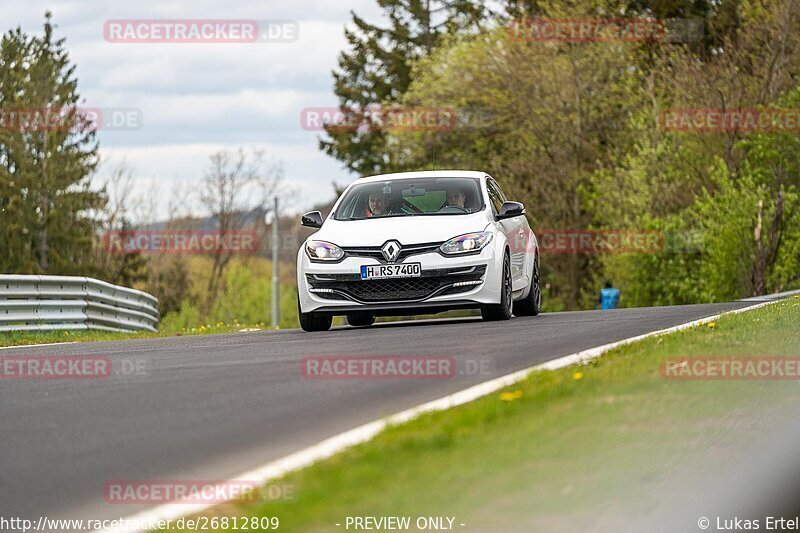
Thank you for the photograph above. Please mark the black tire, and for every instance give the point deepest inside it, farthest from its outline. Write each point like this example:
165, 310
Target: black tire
502, 310
360, 319
313, 321
531, 305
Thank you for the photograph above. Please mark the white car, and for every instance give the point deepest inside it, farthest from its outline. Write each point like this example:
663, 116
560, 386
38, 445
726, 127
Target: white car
417, 243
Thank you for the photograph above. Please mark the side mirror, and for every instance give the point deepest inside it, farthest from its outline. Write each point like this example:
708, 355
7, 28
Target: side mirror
510, 210
312, 219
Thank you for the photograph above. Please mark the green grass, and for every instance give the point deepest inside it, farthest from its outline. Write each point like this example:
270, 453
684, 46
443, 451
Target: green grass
570, 448
23, 338
243, 301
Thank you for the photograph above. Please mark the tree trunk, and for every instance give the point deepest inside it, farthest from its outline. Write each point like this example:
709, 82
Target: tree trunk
765, 252
757, 278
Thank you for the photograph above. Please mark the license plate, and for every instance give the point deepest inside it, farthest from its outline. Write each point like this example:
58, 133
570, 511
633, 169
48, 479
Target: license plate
404, 270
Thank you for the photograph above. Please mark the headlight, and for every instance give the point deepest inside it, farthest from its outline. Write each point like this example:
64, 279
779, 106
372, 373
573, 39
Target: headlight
323, 251
463, 244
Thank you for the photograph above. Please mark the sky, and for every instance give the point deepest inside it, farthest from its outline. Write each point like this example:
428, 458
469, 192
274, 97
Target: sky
194, 99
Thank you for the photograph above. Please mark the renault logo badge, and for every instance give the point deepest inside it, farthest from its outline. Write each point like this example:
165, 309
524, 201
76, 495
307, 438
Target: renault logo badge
391, 250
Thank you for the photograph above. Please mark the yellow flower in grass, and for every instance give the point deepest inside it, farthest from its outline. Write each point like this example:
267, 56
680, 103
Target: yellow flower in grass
712, 325
511, 396
577, 376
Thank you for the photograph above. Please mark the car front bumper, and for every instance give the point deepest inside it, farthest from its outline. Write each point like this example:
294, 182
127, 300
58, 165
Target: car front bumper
446, 283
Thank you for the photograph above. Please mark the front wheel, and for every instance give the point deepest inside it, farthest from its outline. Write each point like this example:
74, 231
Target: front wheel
313, 321
531, 305
502, 310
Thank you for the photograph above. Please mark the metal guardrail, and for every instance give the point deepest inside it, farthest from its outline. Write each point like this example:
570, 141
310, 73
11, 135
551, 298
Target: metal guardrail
72, 303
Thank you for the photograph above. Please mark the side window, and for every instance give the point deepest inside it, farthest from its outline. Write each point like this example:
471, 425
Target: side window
502, 194
495, 195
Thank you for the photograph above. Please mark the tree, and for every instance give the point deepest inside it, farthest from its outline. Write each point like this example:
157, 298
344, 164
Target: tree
735, 190
557, 113
376, 70
235, 187
47, 158
702, 24
575, 133
128, 268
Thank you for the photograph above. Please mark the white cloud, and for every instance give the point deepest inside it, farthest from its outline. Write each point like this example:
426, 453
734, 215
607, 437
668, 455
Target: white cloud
308, 175
196, 99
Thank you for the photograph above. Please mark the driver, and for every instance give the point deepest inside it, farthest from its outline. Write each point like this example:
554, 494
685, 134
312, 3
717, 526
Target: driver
378, 204
455, 198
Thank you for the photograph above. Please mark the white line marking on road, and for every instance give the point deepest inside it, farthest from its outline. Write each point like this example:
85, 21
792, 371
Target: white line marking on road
37, 345
334, 445
770, 297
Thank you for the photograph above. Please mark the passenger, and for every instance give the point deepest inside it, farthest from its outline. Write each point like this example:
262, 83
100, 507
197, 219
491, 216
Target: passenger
378, 205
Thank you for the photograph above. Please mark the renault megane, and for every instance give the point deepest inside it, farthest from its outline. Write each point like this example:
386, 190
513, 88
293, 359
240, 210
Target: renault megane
418, 243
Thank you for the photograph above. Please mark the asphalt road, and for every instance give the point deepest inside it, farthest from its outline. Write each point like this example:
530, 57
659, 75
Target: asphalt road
211, 407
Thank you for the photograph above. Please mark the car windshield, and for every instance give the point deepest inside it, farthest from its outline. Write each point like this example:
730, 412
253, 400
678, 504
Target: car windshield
411, 197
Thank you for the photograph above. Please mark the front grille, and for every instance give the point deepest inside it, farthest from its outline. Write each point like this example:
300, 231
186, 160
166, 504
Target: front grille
431, 283
407, 250
393, 289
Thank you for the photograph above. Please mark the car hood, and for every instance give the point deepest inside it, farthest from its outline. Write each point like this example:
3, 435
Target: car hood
406, 230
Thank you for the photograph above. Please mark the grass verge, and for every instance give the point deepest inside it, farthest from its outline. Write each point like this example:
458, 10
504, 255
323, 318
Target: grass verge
563, 448
25, 338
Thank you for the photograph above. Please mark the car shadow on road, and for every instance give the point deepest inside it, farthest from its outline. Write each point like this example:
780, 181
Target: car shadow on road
417, 323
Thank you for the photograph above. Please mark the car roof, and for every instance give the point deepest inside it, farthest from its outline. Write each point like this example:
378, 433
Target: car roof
424, 174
